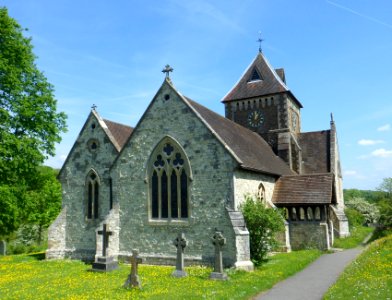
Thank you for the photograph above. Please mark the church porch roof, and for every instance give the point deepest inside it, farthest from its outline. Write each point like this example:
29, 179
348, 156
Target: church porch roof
304, 189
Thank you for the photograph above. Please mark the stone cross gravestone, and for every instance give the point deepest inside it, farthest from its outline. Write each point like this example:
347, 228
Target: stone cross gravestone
180, 242
218, 241
105, 238
133, 278
3, 248
105, 263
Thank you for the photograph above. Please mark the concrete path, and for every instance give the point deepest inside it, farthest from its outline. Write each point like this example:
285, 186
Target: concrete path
312, 282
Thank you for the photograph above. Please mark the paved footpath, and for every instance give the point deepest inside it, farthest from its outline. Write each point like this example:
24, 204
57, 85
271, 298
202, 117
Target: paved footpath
312, 282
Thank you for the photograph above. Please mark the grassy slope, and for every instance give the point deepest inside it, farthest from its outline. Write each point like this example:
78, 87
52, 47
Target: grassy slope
357, 235
369, 276
24, 277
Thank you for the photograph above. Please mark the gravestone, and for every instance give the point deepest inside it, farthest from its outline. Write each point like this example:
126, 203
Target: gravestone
3, 248
105, 263
133, 278
218, 241
180, 242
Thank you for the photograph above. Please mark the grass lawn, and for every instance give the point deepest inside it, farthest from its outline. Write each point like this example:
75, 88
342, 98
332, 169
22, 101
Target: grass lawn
26, 277
369, 276
357, 235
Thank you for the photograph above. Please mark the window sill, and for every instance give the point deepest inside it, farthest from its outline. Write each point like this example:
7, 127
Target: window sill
168, 222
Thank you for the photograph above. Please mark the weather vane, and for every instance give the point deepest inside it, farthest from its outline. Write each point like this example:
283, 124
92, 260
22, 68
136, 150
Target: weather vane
167, 70
260, 40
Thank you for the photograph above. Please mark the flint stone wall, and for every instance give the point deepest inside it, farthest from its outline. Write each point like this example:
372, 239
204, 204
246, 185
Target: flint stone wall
80, 232
210, 190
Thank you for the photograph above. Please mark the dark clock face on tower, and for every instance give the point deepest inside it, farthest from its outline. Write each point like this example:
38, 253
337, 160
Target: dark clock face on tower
255, 118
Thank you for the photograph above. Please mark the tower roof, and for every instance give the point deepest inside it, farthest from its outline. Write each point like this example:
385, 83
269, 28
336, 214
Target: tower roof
258, 80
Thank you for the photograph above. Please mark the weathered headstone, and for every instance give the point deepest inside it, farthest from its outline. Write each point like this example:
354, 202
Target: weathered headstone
133, 278
105, 263
180, 242
218, 241
3, 248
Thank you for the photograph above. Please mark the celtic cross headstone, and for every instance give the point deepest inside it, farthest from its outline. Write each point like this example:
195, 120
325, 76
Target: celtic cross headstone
218, 241
180, 242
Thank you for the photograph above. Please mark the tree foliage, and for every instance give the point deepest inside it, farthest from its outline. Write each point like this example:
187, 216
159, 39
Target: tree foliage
386, 186
369, 211
30, 125
263, 224
8, 211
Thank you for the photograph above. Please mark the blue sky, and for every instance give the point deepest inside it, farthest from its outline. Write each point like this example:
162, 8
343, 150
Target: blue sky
336, 55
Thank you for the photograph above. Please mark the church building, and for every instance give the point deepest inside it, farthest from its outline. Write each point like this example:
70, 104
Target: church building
186, 169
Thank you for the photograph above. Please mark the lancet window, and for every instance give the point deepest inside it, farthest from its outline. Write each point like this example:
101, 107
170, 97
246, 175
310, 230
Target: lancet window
92, 185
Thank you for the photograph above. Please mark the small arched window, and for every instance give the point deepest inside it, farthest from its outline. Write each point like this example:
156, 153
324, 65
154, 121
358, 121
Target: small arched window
169, 177
92, 184
261, 192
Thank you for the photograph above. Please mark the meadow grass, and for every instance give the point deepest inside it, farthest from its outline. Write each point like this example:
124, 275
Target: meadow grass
369, 276
357, 235
25, 277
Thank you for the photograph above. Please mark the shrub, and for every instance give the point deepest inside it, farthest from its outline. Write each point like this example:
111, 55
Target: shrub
368, 210
263, 224
355, 218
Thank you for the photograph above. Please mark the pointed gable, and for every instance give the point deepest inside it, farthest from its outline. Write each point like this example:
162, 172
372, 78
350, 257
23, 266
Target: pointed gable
266, 82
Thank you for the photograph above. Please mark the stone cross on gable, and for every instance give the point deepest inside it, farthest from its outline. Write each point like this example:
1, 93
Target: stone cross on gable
218, 241
260, 40
133, 278
180, 242
167, 70
105, 238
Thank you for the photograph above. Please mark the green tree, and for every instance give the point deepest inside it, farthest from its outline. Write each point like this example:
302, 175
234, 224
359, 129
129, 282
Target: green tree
263, 224
43, 202
30, 125
386, 186
8, 211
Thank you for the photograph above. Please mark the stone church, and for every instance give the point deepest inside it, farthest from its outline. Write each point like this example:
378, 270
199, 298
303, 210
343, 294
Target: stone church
184, 168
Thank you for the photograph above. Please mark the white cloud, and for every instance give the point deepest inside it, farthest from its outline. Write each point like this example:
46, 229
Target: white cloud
364, 142
385, 127
382, 153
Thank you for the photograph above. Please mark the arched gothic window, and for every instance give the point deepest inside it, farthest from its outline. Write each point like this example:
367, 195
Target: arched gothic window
261, 192
92, 185
169, 177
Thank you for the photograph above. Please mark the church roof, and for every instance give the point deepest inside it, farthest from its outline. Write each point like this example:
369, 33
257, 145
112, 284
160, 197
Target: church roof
119, 132
259, 79
304, 189
315, 151
250, 149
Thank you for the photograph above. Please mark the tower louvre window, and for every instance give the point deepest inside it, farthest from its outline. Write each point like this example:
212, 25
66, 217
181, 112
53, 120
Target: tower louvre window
255, 76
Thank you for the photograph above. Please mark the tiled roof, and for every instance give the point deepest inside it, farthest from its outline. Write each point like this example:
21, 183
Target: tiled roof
271, 82
119, 132
315, 151
249, 148
304, 189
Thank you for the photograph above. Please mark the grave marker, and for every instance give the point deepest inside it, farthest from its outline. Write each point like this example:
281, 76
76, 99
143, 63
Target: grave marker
218, 241
133, 278
180, 242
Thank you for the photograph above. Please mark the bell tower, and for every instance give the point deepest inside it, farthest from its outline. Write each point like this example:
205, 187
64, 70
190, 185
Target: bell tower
262, 102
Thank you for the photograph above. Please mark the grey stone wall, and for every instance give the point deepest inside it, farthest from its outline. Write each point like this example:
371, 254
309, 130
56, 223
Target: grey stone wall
56, 236
80, 238
210, 189
249, 183
304, 235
